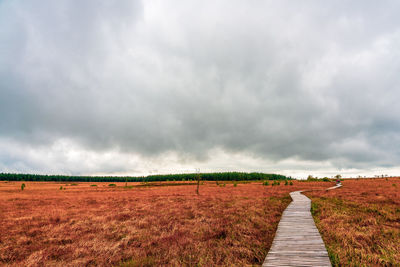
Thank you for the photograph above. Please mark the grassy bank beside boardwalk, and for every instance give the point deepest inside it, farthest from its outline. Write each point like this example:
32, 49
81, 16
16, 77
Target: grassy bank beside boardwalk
360, 222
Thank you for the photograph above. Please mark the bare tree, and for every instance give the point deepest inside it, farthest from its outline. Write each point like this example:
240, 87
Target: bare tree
198, 180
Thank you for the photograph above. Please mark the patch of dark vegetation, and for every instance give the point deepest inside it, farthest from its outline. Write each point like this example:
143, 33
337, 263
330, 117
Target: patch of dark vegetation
216, 176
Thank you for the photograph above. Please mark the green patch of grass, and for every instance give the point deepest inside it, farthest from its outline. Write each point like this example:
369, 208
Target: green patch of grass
334, 258
140, 262
314, 209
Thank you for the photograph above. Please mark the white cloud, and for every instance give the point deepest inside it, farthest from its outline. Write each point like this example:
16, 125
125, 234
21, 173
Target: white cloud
137, 87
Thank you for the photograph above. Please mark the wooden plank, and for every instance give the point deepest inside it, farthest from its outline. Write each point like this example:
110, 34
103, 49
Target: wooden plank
297, 241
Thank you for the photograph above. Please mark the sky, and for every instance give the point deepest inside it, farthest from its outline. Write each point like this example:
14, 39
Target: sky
122, 87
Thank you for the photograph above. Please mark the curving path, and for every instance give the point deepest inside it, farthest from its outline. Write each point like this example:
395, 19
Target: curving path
297, 241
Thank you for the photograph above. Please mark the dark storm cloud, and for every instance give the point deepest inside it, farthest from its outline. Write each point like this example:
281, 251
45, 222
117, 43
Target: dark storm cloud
316, 81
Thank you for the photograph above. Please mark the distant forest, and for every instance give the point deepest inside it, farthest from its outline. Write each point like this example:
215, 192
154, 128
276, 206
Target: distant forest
217, 176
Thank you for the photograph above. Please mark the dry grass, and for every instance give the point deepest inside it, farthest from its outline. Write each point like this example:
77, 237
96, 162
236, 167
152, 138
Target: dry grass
88, 225
360, 222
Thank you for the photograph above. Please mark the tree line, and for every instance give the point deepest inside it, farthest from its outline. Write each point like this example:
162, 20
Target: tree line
216, 176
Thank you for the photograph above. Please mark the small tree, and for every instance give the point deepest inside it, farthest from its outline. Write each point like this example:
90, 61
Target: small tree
22, 187
338, 176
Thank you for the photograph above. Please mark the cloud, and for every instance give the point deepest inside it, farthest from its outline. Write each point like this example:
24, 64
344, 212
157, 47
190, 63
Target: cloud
270, 81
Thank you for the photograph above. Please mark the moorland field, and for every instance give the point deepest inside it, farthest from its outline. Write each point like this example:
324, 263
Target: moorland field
167, 223
150, 225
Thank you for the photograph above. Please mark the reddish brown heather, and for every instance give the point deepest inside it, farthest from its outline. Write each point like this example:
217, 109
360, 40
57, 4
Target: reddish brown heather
169, 225
360, 222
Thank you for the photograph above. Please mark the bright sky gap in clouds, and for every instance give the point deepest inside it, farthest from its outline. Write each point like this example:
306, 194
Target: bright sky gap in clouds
139, 87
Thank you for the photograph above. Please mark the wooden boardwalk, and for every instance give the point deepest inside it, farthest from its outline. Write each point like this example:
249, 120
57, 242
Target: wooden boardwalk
297, 241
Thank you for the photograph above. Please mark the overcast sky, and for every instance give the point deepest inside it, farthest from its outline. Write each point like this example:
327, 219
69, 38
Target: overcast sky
131, 87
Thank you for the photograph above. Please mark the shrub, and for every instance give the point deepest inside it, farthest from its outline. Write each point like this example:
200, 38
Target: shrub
93, 185
234, 183
286, 182
112, 185
22, 187
291, 183
326, 179
266, 182
61, 188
